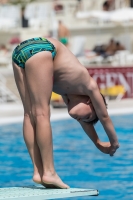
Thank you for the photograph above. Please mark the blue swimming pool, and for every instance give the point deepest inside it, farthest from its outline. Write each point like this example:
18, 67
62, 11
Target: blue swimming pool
77, 161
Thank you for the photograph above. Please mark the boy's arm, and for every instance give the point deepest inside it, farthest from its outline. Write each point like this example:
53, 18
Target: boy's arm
102, 114
90, 131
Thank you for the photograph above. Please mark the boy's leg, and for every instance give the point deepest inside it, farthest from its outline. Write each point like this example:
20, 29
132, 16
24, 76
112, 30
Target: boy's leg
39, 78
28, 123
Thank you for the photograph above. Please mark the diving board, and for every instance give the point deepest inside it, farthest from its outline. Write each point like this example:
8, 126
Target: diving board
41, 193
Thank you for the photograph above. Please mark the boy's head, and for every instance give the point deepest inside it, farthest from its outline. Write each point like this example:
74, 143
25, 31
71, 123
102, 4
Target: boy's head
81, 109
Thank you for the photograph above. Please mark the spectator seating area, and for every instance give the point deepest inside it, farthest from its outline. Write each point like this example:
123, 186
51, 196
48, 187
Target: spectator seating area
44, 14
41, 13
5, 94
120, 58
38, 14
5, 56
9, 16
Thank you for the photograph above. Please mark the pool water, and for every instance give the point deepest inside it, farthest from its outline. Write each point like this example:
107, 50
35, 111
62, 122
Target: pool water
77, 161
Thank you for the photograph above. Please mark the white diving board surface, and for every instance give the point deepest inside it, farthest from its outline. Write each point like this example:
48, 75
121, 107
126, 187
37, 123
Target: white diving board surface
41, 193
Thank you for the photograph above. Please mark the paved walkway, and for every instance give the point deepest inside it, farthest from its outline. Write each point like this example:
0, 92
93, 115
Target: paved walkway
10, 113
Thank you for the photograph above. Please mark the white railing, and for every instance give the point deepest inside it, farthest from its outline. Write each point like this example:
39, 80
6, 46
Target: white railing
121, 4
6, 95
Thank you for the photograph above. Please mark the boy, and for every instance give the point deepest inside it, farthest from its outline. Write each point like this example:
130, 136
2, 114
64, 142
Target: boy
41, 65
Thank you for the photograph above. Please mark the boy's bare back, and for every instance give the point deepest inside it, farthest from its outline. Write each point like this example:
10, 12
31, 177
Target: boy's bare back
70, 77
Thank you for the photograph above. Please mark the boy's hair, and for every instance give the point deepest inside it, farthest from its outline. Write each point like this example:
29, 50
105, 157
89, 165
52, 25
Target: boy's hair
94, 121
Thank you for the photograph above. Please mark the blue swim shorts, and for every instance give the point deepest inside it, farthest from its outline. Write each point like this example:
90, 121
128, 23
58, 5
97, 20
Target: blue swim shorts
30, 47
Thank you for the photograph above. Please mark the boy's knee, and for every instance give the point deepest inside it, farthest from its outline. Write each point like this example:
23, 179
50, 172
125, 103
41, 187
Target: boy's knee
39, 114
28, 118
26, 114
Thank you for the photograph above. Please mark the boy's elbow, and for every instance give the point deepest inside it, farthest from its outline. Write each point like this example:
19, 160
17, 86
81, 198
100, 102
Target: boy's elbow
93, 85
105, 119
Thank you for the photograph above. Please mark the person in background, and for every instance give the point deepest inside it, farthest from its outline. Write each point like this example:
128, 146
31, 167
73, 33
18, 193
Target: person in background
99, 49
106, 6
24, 21
106, 50
110, 48
58, 7
119, 46
131, 3
109, 5
63, 33
3, 49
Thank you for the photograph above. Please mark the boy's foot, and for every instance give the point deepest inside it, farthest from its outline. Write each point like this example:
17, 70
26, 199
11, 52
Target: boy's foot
53, 182
54, 186
50, 181
37, 178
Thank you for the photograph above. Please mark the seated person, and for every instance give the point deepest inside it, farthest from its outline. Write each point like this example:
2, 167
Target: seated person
110, 49
99, 49
119, 46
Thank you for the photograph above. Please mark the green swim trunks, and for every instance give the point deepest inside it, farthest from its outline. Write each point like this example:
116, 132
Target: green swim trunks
30, 47
64, 40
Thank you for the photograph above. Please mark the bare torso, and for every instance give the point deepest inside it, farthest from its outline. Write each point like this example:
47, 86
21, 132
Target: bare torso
70, 77
62, 31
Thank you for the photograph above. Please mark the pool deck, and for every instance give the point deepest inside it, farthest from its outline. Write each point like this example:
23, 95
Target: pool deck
12, 113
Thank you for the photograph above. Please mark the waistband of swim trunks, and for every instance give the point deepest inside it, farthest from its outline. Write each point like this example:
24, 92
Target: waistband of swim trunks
33, 41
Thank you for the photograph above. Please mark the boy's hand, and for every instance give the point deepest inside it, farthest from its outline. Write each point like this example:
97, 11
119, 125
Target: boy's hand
113, 149
104, 147
107, 148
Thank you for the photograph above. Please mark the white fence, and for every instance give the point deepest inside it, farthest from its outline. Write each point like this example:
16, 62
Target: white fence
6, 95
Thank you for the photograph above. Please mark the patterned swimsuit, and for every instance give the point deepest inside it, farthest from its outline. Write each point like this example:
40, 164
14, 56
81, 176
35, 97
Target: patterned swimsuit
30, 47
